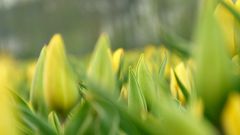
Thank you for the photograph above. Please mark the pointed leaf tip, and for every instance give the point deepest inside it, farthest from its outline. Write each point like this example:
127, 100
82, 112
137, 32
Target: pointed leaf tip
145, 81
100, 69
136, 100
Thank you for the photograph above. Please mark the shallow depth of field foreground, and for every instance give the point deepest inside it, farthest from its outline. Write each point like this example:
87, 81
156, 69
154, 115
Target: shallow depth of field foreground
181, 87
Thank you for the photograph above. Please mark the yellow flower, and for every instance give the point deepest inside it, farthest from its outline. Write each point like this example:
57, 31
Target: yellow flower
228, 24
60, 85
116, 59
231, 115
183, 74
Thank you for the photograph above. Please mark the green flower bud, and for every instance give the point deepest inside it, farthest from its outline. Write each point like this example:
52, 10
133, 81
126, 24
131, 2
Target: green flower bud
100, 70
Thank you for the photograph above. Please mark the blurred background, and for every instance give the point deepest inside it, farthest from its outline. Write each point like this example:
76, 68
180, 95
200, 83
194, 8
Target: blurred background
26, 25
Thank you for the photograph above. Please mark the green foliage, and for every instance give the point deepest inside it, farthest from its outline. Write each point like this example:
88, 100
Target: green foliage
146, 83
136, 100
213, 65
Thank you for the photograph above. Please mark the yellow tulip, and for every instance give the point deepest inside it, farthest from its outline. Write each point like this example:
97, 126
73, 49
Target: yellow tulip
184, 76
231, 115
60, 85
228, 24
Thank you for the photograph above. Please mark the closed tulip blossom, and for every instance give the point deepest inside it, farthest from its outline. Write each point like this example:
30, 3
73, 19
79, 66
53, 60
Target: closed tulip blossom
60, 85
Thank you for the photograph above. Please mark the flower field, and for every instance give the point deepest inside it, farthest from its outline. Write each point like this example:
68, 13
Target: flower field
177, 88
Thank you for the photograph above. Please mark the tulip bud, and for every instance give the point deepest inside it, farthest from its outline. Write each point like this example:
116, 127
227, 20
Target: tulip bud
184, 77
228, 25
100, 69
60, 85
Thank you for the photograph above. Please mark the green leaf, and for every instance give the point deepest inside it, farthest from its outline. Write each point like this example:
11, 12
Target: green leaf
23, 126
136, 100
19, 100
181, 122
54, 121
88, 126
107, 117
31, 120
213, 76
40, 126
162, 84
129, 123
36, 92
100, 69
75, 123
146, 82
163, 66
175, 122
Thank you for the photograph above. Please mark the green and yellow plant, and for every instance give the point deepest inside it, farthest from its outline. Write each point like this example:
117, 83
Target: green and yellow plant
166, 90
